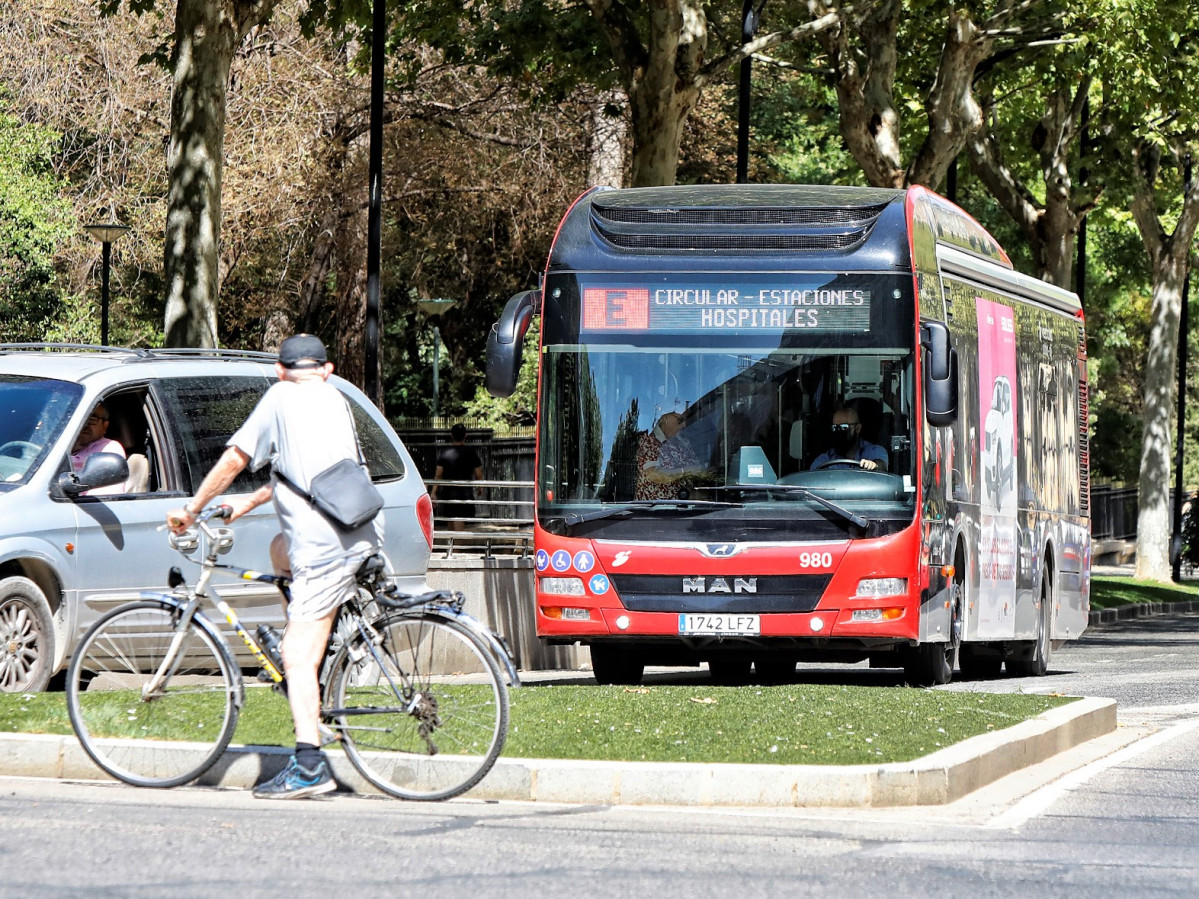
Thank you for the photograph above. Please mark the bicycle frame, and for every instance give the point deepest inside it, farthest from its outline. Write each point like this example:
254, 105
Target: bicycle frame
219, 539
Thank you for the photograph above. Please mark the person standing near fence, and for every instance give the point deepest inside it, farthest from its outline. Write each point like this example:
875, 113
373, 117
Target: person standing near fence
457, 462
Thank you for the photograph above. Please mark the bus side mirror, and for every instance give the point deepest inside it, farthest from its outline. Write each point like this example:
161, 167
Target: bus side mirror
940, 375
506, 341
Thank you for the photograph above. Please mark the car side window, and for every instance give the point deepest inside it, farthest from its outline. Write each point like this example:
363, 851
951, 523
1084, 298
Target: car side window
378, 449
204, 413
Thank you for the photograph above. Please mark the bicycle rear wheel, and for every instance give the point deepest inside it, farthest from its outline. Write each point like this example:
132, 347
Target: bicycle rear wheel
411, 728
166, 738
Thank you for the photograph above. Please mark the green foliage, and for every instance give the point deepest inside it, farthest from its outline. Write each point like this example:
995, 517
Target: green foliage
548, 47
34, 220
521, 407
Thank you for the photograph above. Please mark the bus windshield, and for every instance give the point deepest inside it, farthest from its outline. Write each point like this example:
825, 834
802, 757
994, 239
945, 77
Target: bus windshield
745, 434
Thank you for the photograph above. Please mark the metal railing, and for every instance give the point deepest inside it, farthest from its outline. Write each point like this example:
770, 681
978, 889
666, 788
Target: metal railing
1113, 512
501, 523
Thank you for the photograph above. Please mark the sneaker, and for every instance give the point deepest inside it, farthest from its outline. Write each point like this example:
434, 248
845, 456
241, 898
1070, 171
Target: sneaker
297, 782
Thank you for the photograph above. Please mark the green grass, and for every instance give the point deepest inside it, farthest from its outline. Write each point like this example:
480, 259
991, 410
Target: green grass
796, 724
1110, 592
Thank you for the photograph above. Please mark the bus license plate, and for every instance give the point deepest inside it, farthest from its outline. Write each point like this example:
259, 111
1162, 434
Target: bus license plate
720, 624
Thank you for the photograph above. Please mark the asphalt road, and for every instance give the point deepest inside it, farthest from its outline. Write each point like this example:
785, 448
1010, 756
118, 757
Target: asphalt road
1118, 819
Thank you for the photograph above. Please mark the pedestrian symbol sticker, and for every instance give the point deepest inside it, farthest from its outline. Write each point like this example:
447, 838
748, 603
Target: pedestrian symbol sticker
584, 561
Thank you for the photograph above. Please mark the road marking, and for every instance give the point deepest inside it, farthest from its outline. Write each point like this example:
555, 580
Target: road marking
1037, 802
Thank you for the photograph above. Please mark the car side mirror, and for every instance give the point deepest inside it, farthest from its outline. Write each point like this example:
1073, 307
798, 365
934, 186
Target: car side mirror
506, 341
99, 470
940, 374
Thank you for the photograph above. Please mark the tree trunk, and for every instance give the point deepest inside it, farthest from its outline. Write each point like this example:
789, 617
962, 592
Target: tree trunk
864, 58
1153, 493
1169, 255
657, 129
606, 157
1050, 227
207, 34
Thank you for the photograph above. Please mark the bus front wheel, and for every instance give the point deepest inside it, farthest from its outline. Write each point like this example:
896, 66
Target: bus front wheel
616, 664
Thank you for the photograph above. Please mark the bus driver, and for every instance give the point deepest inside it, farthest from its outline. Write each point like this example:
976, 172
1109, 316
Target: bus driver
848, 449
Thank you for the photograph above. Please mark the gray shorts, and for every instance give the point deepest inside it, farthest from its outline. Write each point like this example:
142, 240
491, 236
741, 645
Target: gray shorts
317, 590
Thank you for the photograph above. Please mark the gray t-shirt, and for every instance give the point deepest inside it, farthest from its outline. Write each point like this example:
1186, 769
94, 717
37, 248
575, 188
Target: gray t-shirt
301, 428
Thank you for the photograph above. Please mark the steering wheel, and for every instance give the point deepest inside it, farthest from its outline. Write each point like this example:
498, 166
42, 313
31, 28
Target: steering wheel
830, 462
25, 450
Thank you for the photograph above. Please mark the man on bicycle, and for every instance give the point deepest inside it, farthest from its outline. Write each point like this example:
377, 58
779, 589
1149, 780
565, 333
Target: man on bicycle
301, 426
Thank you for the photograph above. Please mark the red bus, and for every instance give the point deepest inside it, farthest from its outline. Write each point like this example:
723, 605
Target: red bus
791, 423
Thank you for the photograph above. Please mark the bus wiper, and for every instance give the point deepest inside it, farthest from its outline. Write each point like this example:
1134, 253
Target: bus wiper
570, 519
852, 517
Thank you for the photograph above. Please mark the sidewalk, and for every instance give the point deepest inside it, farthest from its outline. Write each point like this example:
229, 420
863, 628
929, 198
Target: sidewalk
937, 779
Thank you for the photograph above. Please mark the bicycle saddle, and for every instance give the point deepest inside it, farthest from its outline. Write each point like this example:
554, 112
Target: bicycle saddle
372, 567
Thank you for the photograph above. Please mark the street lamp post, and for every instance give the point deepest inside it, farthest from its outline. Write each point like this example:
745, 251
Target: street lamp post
107, 235
433, 308
749, 26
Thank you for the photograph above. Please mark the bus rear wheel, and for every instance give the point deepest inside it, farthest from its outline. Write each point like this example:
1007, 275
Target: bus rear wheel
616, 664
1037, 663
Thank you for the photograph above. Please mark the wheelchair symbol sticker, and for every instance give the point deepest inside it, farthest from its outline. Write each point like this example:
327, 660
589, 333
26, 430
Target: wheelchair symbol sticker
584, 561
560, 560
543, 560
599, 584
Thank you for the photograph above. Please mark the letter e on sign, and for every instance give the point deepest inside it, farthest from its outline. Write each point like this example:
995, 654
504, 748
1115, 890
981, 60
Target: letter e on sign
622, 309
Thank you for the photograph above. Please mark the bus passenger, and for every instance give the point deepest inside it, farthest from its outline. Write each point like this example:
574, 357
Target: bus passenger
848, 449
666, 461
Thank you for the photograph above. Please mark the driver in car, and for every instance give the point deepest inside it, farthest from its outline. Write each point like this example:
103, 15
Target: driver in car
848, 449
91, 440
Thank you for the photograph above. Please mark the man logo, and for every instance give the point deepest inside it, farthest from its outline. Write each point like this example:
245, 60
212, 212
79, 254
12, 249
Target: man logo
720, 550
720, 585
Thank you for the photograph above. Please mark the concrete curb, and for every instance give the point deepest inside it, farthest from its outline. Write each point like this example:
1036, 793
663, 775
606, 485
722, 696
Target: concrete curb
937, 779
1141, 610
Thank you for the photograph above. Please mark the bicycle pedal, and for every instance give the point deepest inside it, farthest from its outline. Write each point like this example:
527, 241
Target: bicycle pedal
264, 677
328, 735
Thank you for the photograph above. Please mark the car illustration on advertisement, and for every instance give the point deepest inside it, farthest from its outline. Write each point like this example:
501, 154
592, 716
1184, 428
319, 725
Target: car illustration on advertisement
998, 455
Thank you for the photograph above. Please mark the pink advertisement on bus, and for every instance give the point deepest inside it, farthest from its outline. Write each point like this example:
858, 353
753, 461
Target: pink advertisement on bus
997, 466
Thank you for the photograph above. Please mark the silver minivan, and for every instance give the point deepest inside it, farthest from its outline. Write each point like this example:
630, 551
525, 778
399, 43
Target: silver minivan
67, 557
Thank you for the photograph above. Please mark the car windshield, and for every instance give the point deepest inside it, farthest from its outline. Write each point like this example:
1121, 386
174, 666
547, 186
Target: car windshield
33, 412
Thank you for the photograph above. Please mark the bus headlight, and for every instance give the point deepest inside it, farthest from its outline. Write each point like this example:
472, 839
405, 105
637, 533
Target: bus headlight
874, 587
563, 586
565, 613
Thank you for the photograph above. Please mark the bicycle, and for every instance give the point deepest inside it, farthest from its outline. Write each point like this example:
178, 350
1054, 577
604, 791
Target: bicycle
151, 668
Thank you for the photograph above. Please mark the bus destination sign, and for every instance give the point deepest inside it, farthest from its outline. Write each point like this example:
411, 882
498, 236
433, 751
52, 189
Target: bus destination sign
718, 307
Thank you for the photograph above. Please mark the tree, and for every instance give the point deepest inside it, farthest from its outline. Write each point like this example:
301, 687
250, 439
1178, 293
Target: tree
33, 220
1169, 252
1043, 121
1150, 124
206, 36
889, 58
662, 54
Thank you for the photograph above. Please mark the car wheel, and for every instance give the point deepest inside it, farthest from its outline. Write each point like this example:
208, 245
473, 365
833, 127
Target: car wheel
26, 637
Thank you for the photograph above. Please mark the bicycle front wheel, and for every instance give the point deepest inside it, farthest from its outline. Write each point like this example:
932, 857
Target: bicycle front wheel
152, 738
423, 712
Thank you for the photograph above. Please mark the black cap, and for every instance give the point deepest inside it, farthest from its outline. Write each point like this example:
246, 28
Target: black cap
302, 351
